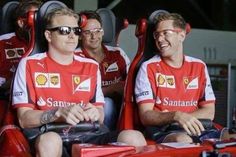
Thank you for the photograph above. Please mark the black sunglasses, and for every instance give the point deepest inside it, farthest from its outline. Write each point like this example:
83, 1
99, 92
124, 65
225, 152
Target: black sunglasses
65, 30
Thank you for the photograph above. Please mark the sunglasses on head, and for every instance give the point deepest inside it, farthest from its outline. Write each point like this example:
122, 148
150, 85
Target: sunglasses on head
65, 30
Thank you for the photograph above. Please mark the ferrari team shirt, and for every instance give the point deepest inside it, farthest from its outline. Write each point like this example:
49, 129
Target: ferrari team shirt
183, 89
114, 67
11, 51
41, 83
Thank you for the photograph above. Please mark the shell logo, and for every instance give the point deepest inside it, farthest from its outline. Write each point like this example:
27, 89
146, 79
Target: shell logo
160, 80
41, 79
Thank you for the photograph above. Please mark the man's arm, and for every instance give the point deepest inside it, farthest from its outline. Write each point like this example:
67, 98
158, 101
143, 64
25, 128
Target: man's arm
206, 111
148, 116
29, 118
189, 121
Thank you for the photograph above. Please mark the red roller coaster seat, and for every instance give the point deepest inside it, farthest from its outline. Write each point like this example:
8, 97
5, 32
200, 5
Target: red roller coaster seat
112, 26
7, 26
12, 141
7, 17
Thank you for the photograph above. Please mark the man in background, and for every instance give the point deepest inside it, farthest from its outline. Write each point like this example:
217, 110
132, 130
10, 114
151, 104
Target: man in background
13, 45
113, 64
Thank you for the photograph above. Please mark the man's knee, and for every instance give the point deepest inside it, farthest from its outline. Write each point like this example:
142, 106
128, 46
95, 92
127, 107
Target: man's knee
132, 137
49, 143
178, 137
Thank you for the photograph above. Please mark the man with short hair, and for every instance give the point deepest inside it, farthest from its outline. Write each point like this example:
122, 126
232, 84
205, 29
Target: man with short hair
113, 64
12, 48
57, 86
14, 45
173, 91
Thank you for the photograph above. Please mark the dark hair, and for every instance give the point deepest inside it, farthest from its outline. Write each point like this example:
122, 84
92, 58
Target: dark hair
24, 6
21, 12
178, 20
59, 12
90, 14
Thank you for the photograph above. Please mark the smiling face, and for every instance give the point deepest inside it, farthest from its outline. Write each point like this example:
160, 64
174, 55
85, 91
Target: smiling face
168, 39
91, 36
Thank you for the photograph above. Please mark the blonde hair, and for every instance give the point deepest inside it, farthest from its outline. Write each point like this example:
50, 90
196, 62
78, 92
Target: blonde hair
59, 12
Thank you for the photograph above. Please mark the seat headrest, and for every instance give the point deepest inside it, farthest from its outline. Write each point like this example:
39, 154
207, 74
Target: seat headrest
40, 41
150, 47
153, 17
7, 17
47, 7
141, 27
108, 24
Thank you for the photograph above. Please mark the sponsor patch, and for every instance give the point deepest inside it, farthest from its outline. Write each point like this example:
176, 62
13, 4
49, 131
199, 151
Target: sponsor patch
161, 80
14, 53
186, 81
17, 94
81, 83
50, 102
47, 80
158, 100
167, 81
169, 102
142, 94
190, 82
40, 64
107, 83
170, 82
54, 80
41, 102
111, 68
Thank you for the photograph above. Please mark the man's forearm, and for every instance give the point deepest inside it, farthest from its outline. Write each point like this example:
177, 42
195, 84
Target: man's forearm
48, 116
158, 118
206, 112
34, 118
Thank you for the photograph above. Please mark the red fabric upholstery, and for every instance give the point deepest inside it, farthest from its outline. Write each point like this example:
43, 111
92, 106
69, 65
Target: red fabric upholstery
13, 142
129, 112
3, 109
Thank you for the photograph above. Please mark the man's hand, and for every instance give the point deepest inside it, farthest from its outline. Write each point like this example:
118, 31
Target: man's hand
92, 112
72, 114
190, 124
